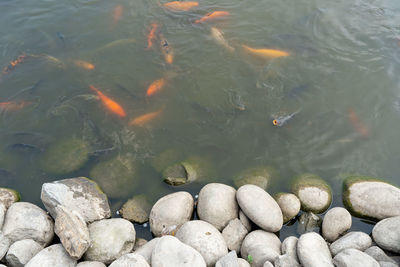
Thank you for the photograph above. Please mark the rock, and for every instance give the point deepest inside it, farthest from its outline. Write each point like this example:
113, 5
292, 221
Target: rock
139, 242
147, 249
357, 240
2, 214
286, 261
110, 238
130, 260
52, 256
229, 260
5, 243
170, 252
371, 198
21, 252
354, 258
260, 207
205, 238
309, 222
386, 234
314, 193
289, 247
65, 156
91, 264
260, 176
217, 204
27, 221
136, 209
387, 264
289, 204
233, 234
260, 246
80, 194
268, 264
166, 158
378, 254
172, 210
336, 222
244, 220
71, 228
313, 251
8, 197
243, 263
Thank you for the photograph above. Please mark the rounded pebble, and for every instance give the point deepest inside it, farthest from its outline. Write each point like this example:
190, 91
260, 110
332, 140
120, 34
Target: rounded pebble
313, 251
357, 240
336, 222
386, 234
289, 204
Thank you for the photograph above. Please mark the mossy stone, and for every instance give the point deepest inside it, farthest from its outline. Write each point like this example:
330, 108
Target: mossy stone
164, 159
136, 209
9, 196
260, 176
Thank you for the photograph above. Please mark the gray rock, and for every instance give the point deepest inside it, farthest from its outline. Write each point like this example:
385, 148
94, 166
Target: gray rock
286, 261
309, 222
243, 262
80, 194
2, 214
268, 264
136, 209
139, 242
378, 254
354, 258
21, 252
387, 264
371, 198
260, 246
52, 256
289, 204
260, 176
147, 249
217, 204
336, 222
357, 240
313, 251
170, 252
130, 260
8, 197
229, 260
171, 211
386, 234
289, 247
27, 221
91, 264
234, 233
5, 243
244, 220
205, 238
260, 207
110, 238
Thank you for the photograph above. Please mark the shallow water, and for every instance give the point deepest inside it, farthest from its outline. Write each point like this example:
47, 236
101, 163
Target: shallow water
344, 59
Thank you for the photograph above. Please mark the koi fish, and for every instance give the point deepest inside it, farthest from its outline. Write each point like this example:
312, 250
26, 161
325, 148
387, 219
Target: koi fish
219, 38
110, 104
181, 5
213, 15
265, 53
281, 120
141, 120
13, 105
84, 64
166, 50
355, 121
155, 86
117, 13
14, 63
115, 43
152, 35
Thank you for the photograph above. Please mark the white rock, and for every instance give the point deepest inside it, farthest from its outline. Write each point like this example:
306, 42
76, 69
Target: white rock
8, 197
243, 263
357, 240
139, 242
172, 210
205, 238
91, 264
336, 222
378, 254
110, 238
170, 252
147, 249
5, 243
21, 252
268, 264
289, 247
27, 221
244, 220
217, 204
260, 207
234, 233
2, 214
286, 261
262, 246
313, 251
52, 256
386, 234
387, 264
130, 260
354, 258
229, 260
289, 204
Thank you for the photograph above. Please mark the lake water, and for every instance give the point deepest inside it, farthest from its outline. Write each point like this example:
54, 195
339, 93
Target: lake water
342, 75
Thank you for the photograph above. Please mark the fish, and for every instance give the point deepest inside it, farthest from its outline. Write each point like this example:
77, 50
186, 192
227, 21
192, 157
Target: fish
181, 5
84, 64
117, 13
142, 119
166, 50
61, 36
282, 120
116, 43
357, 124
110, 104
219, 38
151, 35
24, 147
13, 105
11, 66
265, 53
155, 86
49, 59
213, 15
101, 152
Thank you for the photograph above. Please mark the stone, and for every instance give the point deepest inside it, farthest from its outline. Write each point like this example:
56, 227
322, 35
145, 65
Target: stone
21, 252
260, 207
260, 176
76, 194
2, 214
136, 209
336, 222
205, 238
371, 198
52, 256
5, 243
147, 249
289, 204
139, 242
357, 240
314, 193
378, 254
130, 260
8, 197
110, 238
268, 264
217, 204
166, 158
91, 264
289, 247
172, 210
286, 261
170, 252
229, 260
260, 246
313, 251
386, 234
243, 263
234, 233
27, 221
309, 222
354, 258
387, 264
244, 220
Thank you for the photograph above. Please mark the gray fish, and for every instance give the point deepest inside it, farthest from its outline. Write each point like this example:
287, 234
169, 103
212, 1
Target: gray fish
24, 147
282, 120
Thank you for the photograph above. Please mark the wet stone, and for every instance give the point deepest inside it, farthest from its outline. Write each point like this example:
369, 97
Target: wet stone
386, 234
139, 242
54, 255
8, 197
21, 252
136, 209
336, 222
309, 222
356, 240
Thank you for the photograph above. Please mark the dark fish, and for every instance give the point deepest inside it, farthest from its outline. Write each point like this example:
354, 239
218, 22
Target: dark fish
101, 152
24, 147
282, 120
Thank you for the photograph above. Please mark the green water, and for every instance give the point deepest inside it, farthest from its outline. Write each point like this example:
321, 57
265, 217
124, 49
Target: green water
344, 55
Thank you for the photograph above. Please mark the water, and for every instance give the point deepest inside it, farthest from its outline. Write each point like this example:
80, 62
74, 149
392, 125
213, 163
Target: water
216, 104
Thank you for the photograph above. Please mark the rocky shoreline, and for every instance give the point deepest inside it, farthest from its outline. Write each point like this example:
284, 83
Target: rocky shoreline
234, 227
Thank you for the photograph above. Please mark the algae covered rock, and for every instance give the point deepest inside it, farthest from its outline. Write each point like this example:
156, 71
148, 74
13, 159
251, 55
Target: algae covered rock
136, 209
8, 197
166, 158
65, 156
260, 176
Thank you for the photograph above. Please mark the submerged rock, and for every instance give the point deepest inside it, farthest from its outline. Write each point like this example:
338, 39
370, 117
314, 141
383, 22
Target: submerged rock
289, 204
52, 256
8, 197
386, 234
90, 264
260, 176
166, 158
309, 222
21, 252
136, 209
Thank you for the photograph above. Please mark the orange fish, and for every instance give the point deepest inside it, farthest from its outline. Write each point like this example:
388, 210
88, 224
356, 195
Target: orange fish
141, 120
110, 104
84, 64
355, 121
265, 53
180, 5
13, 105
117, 13
152, 35
166, 50
213, 15
155, 86
14, 63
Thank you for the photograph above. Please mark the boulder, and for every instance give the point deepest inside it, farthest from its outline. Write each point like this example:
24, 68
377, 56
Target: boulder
289, 204
313, 251
234, 233
386, 234
357, 240
354, 258
336, 222
52, 256
21, 252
